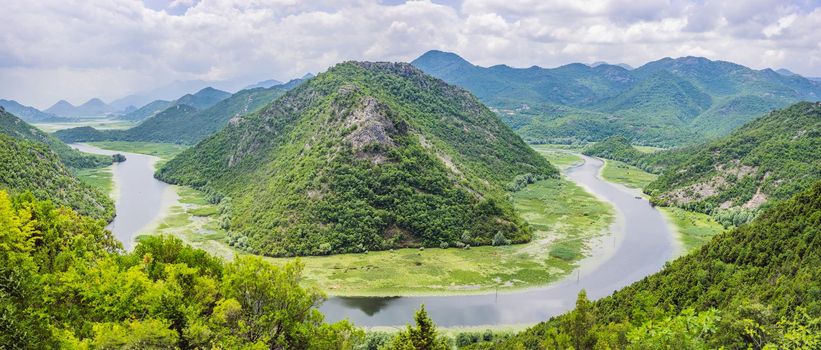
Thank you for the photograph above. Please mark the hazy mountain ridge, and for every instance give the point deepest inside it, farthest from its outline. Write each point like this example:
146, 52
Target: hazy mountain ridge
91, 108
27, 113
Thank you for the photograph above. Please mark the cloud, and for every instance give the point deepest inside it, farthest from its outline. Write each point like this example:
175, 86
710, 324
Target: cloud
75, 49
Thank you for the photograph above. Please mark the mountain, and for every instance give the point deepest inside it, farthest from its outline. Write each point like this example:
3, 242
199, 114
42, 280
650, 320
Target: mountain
17, 128
92, 107
668, 102
770, 158
32, 166
754, 287
62, 108
28, 114
362, 157
202, 99
263, 84
148, 110
181, 123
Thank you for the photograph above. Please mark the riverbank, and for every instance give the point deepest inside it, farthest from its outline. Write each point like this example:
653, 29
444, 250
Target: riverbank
564, 216
692, 229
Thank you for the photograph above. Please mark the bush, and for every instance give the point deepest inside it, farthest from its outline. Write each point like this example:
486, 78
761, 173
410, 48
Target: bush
443, 245
500, 239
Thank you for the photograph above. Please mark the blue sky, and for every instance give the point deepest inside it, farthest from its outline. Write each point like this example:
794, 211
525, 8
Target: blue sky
78, 49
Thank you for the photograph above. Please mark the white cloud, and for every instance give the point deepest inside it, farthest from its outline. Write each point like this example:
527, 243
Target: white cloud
77, 49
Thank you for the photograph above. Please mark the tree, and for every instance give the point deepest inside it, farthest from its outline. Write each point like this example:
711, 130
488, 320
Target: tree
421, 337
581, 321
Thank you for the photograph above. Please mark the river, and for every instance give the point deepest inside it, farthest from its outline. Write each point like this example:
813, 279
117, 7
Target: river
141, 199
641, 245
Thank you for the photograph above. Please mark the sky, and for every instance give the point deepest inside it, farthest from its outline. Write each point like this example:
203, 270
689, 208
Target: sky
79, 49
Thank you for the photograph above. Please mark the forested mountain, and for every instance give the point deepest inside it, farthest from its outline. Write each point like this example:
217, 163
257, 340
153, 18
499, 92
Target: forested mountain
364, 156
667, 102
148, 110
28, 114
181, 123
17, 128
770, 158
755, 287
30, 166
202, 99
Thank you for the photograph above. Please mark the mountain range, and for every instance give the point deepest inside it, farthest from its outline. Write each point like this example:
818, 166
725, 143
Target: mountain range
28, 113
91, 108
186, 120
667, 102
362, 157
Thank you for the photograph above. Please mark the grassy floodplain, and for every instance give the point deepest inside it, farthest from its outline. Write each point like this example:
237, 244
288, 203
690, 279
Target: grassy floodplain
625, 174
97, 123
562, 214
561, 156
99, 178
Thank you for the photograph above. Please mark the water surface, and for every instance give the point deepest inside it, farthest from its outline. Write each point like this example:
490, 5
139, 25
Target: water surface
141, 199
642, 247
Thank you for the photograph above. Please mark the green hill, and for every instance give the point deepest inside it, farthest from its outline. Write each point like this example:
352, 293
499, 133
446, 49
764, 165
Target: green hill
753, 286
181, 123
148, 110
202, 99
365, 156
31, 166
669, 102
17, 128
772, 157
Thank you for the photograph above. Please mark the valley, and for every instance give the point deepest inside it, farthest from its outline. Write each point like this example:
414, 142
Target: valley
180, 194
574, 231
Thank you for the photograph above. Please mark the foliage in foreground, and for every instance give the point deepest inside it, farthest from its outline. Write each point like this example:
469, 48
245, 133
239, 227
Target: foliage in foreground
65, 283
755, 287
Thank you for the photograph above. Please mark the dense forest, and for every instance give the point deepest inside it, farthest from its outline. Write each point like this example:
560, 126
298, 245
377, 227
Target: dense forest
15, 127
668, 102
755, 287
366, 156
66, 284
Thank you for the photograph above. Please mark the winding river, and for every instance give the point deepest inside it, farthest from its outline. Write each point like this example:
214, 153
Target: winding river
141, 199
641, 244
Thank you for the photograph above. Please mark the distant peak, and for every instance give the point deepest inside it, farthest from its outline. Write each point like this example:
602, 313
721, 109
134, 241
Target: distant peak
440, 57
308, 75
